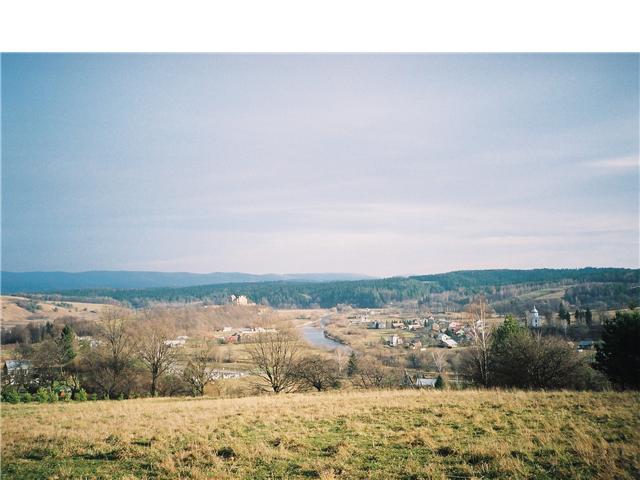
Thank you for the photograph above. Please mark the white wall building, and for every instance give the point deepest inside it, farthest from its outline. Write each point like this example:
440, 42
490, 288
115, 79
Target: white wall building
534, 318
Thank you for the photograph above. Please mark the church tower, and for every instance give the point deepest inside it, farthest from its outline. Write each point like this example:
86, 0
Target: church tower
534, 319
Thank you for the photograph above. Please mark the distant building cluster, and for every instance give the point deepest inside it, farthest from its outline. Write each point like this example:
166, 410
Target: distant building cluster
177, 342
240, 335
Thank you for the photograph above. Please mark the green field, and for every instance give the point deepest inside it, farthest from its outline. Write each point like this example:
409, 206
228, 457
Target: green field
368, 434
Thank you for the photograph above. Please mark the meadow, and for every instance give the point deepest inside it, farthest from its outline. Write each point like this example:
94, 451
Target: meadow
405, 434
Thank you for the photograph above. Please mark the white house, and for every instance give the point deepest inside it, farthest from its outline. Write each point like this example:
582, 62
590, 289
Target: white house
425, 382
239, 300
179, 342
447, 341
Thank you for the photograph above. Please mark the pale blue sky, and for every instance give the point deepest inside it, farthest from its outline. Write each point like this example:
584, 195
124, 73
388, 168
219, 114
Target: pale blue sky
377, 164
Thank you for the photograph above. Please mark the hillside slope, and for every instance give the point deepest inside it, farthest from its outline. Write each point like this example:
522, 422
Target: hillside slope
597, 288
372, 434
30, 282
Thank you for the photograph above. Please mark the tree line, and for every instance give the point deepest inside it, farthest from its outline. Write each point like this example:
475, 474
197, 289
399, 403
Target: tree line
132, 357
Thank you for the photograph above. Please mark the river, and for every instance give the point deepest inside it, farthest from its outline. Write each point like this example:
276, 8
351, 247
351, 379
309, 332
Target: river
315, 336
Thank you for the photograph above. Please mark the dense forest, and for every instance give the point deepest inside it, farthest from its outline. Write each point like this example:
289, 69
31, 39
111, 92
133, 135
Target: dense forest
480, 280
508, 290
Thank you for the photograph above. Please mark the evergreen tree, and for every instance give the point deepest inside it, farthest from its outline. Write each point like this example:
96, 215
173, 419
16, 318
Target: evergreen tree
65, 345
578, 315
588, 316
618, 356
439, 382
509, 327
352, 366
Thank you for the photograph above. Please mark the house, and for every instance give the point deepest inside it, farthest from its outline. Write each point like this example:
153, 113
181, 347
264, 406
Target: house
425, 382
179, 342
394, 341
397, 325
16, 369
89, 340
586, 344
454, 327
239, 300
225, 374
447, 341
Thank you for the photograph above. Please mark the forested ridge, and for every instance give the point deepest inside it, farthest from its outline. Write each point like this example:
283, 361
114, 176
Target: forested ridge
582, 285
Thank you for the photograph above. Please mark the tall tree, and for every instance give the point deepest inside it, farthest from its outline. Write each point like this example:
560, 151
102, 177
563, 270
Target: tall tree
619, 356
478, 359
65, 345
197, 373
588, 317
352, 365
112, 362
317, 372
156, 353
275, 355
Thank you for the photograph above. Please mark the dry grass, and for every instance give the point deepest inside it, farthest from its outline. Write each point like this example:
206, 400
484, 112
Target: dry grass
373, 434
13, 314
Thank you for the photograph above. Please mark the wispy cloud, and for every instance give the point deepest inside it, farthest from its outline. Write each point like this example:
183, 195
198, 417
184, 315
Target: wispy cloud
631, 162
375, 164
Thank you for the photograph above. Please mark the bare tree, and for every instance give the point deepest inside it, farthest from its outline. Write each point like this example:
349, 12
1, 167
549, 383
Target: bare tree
111, 362
197, 373
479, 355
156, 352
371, 374
275, 355
341, 359
318, 372
439, 361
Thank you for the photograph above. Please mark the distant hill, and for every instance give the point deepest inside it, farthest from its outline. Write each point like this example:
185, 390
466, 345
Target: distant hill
508, 291
33, 282
478, 279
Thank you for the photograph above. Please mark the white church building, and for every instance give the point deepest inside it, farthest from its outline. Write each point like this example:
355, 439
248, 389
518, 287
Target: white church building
534, 318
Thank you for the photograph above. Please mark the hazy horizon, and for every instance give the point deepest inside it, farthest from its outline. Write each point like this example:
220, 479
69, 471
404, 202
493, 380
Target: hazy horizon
378, 165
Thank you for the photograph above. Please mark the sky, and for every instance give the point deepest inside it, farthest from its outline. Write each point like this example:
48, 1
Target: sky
374, 164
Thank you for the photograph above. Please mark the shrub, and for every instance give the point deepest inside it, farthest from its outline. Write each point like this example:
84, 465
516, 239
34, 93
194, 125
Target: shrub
42, 395
27, 397
439, 382
93, 397
10, 395
81, 395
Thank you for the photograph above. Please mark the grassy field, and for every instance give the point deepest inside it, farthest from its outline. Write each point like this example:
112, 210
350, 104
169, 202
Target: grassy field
13, 314
381, 435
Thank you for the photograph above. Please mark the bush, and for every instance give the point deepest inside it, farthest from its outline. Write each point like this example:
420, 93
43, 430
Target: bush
81, 395
93, 397
10, 395
439, 382
27, 397
531, 361
42, 395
